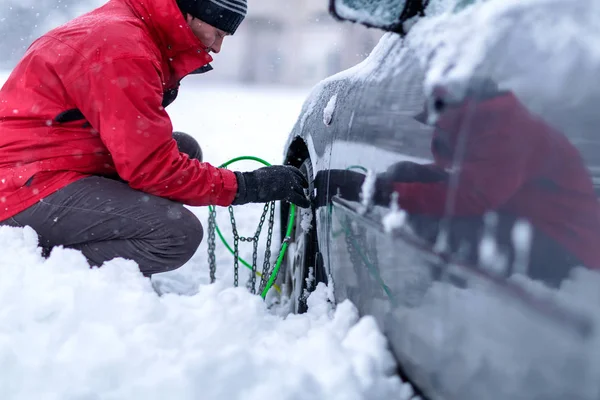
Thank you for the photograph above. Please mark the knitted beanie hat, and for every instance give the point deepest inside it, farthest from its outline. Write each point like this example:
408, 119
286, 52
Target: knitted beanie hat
226, 15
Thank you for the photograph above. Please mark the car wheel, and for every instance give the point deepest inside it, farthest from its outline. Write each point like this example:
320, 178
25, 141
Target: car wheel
303, 262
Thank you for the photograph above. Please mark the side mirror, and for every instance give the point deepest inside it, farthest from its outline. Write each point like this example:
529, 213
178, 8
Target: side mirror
388, 15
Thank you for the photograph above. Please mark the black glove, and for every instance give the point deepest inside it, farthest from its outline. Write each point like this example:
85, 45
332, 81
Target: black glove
277, 182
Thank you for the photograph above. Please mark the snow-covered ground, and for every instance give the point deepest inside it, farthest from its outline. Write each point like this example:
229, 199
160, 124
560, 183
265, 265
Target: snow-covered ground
69, 332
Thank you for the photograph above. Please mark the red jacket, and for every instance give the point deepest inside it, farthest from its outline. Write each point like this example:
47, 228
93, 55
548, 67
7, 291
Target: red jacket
113, 64
516, 163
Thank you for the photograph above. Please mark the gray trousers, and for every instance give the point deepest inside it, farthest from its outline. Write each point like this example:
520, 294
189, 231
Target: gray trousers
105, 218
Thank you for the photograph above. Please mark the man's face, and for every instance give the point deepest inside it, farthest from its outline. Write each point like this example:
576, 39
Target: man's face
210, 36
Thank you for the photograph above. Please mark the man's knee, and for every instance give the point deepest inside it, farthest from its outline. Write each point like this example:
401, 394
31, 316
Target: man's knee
188, 145
194, 233
179, 240
186, 234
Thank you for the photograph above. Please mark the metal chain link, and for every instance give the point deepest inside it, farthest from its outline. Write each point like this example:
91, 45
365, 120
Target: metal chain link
251, 284
252, 280
212, 260
236, 251
269, 208
266, 272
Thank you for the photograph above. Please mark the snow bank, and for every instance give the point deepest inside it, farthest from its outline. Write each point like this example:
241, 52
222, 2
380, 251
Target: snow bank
67, 331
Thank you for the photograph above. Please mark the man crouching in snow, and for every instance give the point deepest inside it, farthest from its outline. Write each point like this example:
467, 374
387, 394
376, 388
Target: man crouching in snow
88, 157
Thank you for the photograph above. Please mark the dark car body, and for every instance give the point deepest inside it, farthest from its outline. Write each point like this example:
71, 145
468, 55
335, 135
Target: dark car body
458, 331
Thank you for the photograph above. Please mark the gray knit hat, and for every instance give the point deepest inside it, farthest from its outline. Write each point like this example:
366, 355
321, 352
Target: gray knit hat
226, 15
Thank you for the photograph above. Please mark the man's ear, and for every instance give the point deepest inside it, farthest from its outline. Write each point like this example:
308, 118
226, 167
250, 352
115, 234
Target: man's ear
190, 19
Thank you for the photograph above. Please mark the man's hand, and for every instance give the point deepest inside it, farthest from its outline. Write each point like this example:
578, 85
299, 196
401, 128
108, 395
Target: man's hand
277, 182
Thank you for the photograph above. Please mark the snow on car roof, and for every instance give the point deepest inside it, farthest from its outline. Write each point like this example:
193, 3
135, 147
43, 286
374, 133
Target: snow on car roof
547, 51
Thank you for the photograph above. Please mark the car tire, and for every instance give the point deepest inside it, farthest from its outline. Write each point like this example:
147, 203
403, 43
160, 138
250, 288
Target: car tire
303, 261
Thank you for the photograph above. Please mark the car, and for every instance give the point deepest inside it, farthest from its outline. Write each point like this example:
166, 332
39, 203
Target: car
460, 327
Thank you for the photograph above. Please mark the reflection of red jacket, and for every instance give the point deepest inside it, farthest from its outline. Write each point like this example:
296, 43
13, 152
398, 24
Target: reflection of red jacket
512, 162
113, 64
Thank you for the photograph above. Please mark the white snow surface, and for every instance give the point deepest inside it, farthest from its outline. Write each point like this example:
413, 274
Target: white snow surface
306, 221
329, 110
71, 332
367, 189
395, 217
550, 45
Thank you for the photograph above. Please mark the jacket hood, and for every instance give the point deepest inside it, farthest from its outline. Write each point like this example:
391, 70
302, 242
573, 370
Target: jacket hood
168, 28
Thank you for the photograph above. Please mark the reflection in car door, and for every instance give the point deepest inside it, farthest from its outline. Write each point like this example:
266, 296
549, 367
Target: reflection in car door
528, 178
457, 330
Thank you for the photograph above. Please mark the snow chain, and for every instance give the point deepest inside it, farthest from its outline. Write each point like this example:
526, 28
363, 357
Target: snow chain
268, 274
251, 284
212, 261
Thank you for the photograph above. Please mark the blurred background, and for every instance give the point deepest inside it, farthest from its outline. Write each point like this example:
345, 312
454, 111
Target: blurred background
289, 43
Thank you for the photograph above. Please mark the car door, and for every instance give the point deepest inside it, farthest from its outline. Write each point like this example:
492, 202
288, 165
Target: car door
465, 319
379, 129
519, 222
386, 273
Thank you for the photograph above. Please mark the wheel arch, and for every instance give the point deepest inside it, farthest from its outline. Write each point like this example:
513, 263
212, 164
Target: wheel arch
297, 152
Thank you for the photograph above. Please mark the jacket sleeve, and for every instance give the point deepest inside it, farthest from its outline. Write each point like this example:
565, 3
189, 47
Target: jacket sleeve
122, 100
495, 168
